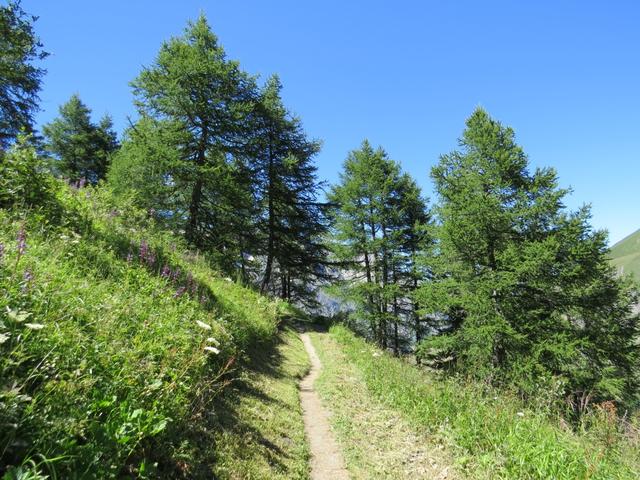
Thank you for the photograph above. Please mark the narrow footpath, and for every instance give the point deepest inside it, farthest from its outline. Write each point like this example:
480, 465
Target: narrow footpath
327, 462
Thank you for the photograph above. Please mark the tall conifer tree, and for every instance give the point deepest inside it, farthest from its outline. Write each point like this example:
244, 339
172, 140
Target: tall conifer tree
379, 219
292, 221
20, 78
203, 101
82, 149
525, 294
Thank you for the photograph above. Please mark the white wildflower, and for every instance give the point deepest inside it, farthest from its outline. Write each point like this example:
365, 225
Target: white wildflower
212, 349
376, 354
203, 325
520, 414
3, 337
34, 326
214, 341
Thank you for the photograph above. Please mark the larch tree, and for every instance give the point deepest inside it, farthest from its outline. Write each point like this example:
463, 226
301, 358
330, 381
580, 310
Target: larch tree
292, 219
524, 294
203, 100
379, 218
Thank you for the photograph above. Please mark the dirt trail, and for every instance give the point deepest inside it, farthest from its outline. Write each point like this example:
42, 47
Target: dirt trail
327, 462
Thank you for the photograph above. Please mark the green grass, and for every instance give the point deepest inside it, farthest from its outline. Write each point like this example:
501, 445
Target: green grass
492, 434
108, 369
625, 255
261, 433
376, 440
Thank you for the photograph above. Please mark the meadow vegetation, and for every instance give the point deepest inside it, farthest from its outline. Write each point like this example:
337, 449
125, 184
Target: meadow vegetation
493, 433
115, 336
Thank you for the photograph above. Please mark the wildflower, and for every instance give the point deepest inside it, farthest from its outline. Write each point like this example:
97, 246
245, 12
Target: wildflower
520, 414
203, 325
82, 182
129, 257
212, 350
151, 259
176, 274
1, 251
152, 212
27, 278
166, 271
179, 292
22, 241
113, 213
34, 326
144, 250
203, 299
214, 341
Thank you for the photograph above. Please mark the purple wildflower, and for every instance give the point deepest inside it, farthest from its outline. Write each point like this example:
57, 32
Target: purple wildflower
144, 250
113, 213
22, 241
166, 271
176, 274
180, 292
27, 278
151, 258
82, 182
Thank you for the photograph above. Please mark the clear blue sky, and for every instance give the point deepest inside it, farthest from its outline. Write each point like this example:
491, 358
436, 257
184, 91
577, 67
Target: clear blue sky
564, 74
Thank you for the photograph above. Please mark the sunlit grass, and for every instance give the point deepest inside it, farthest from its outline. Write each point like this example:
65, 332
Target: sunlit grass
493, 434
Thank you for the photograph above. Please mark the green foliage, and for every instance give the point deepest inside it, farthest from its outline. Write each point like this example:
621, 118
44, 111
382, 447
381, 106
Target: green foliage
20, 79
524, 293
291, 220
24, 182
380, 222
82, 149
225, 162
115, 340
494, 434
202, 102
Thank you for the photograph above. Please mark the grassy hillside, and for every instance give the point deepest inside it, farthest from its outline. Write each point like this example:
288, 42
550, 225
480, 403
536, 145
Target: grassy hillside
491, 434
115, 340
625, 255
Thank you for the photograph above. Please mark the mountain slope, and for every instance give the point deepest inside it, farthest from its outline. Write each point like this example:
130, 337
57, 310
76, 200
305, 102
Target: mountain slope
116, 340
625, 255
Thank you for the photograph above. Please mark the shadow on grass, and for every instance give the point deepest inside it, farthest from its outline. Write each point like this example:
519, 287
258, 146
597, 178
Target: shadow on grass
265, 360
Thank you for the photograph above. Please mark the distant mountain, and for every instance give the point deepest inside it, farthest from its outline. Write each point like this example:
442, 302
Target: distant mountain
625, 255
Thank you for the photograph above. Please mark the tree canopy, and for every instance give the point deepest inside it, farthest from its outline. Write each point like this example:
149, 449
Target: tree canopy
20, 77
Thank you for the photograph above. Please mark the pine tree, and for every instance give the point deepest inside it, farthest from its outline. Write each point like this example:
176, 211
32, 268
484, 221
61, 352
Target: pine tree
524, 293
20, 79
379, 218
82, 150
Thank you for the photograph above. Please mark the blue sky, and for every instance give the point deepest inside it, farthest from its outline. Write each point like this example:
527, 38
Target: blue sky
564, 74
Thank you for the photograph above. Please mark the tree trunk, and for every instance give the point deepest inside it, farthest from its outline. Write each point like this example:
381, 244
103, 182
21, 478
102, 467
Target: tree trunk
196, 194
271, 242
